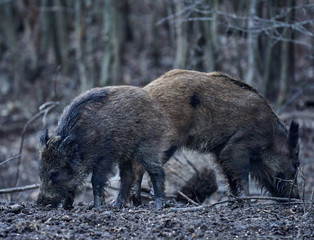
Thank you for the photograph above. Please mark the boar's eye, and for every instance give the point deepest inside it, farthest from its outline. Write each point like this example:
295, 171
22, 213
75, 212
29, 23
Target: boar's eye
296, 165
296, 154
53, 176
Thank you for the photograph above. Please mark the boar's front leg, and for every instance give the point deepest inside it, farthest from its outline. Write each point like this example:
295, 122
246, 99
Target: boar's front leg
126, 182
98, 182
158, 179
68, 203
139, 172
235, 161
157, 176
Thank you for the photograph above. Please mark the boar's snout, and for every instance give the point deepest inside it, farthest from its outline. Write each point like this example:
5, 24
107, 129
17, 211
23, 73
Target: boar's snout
295, 193
286, 187
44, 200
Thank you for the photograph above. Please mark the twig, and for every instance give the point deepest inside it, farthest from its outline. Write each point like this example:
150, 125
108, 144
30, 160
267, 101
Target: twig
312, 200
188, 209
7, 160
261, 198
297, 114
187, 198
285, 203
197, 208
293, 184
303, 188
179, 13
291, 100
19, 189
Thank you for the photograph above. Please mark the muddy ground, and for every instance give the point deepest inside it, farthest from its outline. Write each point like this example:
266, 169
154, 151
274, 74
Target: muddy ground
20, 218
176, 221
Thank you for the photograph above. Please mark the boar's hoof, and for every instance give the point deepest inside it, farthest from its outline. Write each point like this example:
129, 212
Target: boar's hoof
136, 201
96, 206
118, 204
158, 204
68, 204
68, 207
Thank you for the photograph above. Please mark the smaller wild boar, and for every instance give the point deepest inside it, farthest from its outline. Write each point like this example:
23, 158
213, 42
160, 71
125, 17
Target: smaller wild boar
219, 114
99, 129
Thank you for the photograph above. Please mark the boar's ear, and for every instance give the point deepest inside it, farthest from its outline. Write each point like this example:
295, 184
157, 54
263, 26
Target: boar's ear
293, 135
44, 137
68, 144
69, 147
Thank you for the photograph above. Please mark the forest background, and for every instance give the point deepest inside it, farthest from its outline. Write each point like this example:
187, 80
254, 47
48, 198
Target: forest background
51, 50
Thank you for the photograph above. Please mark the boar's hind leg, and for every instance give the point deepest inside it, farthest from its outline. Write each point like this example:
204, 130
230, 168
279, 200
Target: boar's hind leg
234, 159
99, 180
126, 182
157, 176
137, 190
139, 172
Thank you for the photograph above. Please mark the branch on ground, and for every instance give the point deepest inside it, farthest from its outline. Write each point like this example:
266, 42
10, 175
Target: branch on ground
9, 159
239, 199
19, 189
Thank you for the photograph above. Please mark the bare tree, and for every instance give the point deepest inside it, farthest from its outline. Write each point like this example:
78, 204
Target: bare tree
252, 76
211, 35
58, 27
114, 26
78, 47
181, 38
286, 57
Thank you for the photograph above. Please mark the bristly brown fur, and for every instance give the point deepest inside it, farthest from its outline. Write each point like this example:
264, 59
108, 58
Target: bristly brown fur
231, 120
101, 128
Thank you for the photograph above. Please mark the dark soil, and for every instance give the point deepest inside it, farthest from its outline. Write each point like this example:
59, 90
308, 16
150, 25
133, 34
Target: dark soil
176, 221
257, 220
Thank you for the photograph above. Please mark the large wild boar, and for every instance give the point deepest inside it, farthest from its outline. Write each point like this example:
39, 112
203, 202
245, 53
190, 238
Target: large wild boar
216, 113
101, 128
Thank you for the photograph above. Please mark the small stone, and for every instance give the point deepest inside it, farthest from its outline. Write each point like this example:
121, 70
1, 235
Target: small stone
15, 208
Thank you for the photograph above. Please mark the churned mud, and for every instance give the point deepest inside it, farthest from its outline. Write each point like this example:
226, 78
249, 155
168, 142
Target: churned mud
255, 220
21, 218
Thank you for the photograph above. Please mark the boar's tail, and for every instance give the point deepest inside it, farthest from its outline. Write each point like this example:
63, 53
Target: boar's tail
72, 113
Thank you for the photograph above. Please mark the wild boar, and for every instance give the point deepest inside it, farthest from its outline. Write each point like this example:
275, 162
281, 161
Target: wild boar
102, 128
219, 114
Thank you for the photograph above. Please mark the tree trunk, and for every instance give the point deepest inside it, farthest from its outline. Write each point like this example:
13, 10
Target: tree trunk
78, 47
90, 40
286, 58
252, 76
197, 56
181, 40
114, 26
58, 27
10, 41
211, 38
267, 44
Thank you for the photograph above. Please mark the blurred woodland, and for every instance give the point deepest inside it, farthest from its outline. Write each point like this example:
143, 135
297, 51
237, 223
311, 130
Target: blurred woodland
51, 50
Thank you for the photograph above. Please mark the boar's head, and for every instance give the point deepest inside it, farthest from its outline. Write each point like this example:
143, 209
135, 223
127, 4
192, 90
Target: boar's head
282, 163
59, 169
